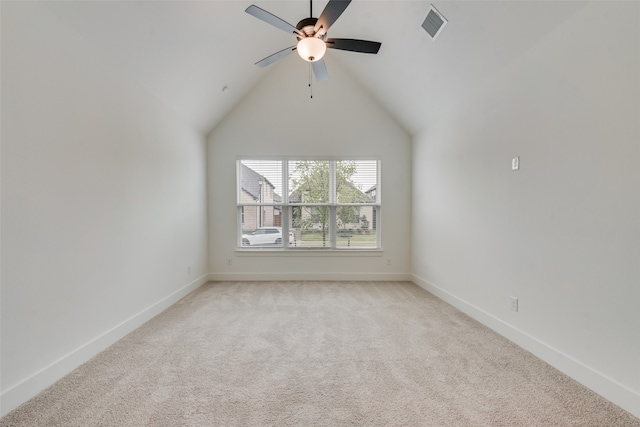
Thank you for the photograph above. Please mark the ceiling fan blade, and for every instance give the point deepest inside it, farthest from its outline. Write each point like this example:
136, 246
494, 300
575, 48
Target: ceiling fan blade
272, 19
276, 56
353, 45
320, 70
330, 14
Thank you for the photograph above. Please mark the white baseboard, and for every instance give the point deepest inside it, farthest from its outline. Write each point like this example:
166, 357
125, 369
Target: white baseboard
349, 277
627, 399
28, 388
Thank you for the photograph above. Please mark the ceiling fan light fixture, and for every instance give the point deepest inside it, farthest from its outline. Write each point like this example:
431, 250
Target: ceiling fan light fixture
311, 49
310, 33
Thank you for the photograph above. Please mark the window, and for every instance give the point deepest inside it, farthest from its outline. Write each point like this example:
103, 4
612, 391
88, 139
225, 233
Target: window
318, 204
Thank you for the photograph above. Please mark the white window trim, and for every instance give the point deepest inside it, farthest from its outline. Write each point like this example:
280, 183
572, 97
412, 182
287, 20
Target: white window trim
287, 250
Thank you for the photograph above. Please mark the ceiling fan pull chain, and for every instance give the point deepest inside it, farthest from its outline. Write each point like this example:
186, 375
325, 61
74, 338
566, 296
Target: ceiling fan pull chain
310, 82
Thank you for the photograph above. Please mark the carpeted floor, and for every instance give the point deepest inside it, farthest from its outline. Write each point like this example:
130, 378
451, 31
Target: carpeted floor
315, 354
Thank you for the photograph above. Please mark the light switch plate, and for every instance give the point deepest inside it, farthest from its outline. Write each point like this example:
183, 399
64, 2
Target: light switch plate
515, 163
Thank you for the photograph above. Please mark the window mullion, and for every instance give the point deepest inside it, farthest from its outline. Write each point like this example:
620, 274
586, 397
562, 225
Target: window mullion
378, 182
285, 182
239, 226
333, 199
285, 204
378, 228
238, 183
332, 183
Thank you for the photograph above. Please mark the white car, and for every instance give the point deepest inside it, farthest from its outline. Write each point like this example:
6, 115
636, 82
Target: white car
266, 236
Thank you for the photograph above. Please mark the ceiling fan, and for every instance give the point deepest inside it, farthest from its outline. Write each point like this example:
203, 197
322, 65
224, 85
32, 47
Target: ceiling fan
312, 36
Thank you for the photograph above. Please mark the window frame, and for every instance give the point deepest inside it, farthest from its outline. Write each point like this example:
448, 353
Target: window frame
287, 207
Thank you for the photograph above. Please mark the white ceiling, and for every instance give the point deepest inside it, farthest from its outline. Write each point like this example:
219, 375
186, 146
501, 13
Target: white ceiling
185, 52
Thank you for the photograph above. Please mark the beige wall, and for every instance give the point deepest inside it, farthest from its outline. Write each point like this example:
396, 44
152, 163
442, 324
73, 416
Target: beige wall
562, 233
103, 203
359, 128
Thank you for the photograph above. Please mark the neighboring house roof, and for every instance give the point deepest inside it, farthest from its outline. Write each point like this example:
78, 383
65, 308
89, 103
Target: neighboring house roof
366, 196
371, 193
251, 181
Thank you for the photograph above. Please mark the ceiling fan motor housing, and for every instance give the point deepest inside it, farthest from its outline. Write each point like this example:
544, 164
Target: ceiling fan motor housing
307, 26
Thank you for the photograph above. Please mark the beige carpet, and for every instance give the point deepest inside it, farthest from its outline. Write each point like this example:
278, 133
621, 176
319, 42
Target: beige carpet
315, 354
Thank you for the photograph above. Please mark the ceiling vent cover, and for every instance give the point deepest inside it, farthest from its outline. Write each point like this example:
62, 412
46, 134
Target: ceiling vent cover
434, 23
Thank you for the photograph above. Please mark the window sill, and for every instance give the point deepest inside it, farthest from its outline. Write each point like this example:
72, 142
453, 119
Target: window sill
308, 252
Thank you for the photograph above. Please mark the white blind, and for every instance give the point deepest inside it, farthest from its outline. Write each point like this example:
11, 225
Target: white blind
356, 181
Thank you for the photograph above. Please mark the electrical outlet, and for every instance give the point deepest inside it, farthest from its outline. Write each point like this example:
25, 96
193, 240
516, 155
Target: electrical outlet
389, 261
189, 270
514, 303
515, 163
229, 262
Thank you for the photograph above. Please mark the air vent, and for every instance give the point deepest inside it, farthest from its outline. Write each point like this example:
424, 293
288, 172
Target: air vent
434, 22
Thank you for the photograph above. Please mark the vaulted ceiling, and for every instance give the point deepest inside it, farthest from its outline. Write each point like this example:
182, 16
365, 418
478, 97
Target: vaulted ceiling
185, 52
